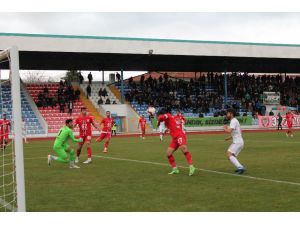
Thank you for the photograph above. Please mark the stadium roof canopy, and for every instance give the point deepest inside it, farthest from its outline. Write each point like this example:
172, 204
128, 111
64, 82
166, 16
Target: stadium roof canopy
65, 52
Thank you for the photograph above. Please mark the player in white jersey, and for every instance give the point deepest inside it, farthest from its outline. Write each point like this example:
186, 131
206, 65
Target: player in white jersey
162, 130
237, 145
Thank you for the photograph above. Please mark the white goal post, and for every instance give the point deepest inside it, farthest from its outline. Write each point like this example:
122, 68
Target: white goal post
12, 56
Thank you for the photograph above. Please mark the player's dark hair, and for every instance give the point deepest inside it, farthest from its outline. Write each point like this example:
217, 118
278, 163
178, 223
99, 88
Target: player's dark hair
68, 121
231, 111
82, 108
107, 111
163, 111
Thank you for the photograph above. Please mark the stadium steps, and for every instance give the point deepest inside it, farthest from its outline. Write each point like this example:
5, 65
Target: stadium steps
117, 93
88, 104
95, 87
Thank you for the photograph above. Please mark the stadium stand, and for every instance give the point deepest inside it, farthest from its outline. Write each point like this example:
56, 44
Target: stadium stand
52, 113
100, 91
204, 95
33, 126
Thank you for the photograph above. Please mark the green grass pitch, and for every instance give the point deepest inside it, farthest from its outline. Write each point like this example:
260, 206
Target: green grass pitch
134, 177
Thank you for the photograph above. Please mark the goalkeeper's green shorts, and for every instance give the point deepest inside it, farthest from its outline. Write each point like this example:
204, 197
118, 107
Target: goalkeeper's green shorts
61, 150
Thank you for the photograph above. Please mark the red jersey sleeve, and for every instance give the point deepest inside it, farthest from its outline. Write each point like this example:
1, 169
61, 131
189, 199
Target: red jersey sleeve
102, 121
161, 118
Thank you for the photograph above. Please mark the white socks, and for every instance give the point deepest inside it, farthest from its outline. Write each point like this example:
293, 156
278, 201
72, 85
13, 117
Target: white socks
161, 137
235, 162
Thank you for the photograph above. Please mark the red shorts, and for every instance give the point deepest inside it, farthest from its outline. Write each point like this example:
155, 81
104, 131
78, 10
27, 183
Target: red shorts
85, 138
178, 141
4, 139
105, 135
290, 125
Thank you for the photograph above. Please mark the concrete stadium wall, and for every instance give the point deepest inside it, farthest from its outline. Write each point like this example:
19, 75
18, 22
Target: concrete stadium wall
123, 110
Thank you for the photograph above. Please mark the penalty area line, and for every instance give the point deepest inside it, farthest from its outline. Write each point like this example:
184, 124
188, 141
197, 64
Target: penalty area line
203, 170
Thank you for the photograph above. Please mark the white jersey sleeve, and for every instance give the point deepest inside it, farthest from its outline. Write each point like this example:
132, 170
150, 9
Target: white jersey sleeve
236, 132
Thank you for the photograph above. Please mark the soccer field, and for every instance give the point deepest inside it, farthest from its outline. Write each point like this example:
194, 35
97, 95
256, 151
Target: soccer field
133, 176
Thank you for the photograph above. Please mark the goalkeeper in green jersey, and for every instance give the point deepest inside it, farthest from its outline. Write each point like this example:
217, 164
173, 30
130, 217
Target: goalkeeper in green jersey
61, 146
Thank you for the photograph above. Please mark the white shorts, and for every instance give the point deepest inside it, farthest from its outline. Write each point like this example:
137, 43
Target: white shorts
236, 148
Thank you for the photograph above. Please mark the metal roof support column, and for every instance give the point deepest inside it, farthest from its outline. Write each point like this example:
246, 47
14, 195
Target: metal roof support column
122, 87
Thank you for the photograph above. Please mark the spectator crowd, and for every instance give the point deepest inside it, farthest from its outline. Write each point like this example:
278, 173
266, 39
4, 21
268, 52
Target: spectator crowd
207, 91
64, 97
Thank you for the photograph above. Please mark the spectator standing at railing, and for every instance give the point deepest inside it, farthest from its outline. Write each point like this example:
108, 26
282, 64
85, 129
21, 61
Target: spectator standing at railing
61, 83
81, 78
90, 78
88, 91
104, 92
100, 92
107, 102
70, 107
118, 76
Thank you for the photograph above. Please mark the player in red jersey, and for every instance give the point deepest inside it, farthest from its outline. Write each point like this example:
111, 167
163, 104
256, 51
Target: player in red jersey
289, 121
142, 124
106, 124
85, 122
178, 141
180, 120
5, 127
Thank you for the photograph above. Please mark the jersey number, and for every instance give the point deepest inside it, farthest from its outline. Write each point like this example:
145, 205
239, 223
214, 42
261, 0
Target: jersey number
179, 140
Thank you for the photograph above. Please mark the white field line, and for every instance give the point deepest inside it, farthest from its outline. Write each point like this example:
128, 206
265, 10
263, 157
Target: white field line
185, 167
204, 170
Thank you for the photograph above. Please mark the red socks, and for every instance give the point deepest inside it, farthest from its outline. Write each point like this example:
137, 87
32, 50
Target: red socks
188, 157
172, 161
89, 152
78, 152
106, 144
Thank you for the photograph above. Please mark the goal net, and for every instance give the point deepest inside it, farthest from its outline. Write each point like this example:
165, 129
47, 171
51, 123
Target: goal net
12, 189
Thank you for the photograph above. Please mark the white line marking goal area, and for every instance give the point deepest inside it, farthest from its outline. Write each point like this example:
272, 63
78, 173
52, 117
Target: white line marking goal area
185, 167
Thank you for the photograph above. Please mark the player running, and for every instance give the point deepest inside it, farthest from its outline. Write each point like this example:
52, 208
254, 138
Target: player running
105, 133
5, 127
237, 140
85, 122
61, 146
180, 120
178, 141
289, 121
142, 124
